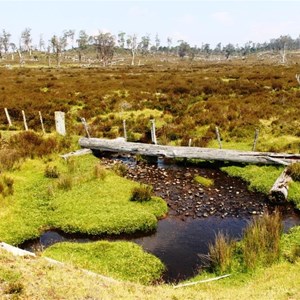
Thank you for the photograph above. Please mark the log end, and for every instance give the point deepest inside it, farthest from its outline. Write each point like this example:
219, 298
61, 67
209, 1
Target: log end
278, 196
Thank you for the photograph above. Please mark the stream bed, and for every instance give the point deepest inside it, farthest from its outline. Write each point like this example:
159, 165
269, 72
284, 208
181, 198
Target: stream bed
196, 214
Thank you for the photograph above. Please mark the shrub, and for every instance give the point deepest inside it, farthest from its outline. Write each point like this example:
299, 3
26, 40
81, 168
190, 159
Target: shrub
261, 242
294, 171
51, 172
6, 186
100, 172
120, 169
8, 159
141, 193
65, 183
221, 253
71, 165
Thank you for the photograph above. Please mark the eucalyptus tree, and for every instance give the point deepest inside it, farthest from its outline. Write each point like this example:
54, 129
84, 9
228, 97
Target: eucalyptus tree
70, 35
26, 40
121, 39
183, 48
5, 40
82, 42
105, 46
157, 42
144, 44
58, 45
169, 43
132, 46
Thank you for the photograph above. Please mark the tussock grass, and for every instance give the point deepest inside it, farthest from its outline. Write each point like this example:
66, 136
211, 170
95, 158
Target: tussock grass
141, 193
261, 241
294, 171
221, 254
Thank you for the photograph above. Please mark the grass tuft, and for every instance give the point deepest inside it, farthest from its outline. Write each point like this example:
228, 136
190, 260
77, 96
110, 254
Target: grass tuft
141, 193
221, 254
261, 241
294, 171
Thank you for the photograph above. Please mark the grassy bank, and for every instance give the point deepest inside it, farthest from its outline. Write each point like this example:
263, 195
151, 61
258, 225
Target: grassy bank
120, 260
38, 279
262, 178
77, 201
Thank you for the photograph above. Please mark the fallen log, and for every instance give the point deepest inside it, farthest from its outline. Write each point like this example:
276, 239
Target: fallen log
210, 154
279, 190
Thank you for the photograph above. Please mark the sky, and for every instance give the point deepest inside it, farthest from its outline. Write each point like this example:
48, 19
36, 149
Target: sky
196, 22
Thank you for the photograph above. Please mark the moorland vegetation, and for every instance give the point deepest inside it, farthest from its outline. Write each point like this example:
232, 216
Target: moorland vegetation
40, 191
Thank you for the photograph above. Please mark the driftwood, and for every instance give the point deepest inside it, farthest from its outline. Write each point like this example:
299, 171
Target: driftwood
15, 251
279, 190
201, 281
76, 153
210, 154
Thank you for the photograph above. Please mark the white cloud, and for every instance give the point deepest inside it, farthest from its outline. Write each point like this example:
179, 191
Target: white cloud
223, 17
264, 31
177, 36
138, 12
188, 19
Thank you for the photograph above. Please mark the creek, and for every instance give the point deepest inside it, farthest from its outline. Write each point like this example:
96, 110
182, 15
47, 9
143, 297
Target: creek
196, 214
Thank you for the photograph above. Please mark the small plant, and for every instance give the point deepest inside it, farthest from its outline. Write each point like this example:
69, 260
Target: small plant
100, 172
6, 186
71, 165
261, 241
221, 253
51, 172
65, 183
8, 159
204, 181
15, 288
294, 171
120, 169
141, 193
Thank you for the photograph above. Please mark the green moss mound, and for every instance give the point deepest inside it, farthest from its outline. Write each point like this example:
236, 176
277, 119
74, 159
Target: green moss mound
121, 260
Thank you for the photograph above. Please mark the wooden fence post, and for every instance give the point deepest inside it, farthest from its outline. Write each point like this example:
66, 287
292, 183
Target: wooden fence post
42, 123
190, 142
8, 117
124, 130
218, 137
85, 125
60, 122
255, 139
24, 120
153, 133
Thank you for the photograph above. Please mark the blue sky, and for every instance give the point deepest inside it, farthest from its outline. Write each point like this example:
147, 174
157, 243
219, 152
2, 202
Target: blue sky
195, 21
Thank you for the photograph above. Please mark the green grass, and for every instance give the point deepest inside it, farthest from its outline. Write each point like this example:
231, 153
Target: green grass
120, 260
262, 178
91, 205
207, 182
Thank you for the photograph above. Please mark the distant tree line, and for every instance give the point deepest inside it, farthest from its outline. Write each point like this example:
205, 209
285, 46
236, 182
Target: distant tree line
106, 45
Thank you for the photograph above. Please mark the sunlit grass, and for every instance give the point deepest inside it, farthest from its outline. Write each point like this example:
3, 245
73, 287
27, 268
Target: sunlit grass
120, 260
91, 205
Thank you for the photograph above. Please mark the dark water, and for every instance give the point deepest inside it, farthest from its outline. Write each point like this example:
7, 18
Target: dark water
179, 244
182, 239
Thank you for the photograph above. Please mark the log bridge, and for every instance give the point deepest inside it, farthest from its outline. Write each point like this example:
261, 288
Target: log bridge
119, 145
278, 192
